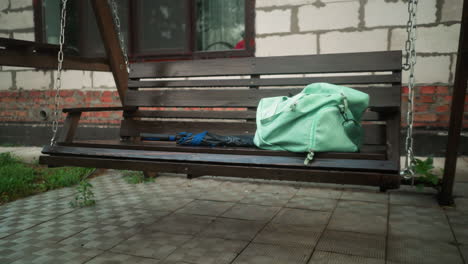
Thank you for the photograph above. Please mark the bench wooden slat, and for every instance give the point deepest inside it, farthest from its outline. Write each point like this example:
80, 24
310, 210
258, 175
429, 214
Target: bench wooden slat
241, 114
349, 80
255, 160
379, 97
375, 152
374, 134
326, 63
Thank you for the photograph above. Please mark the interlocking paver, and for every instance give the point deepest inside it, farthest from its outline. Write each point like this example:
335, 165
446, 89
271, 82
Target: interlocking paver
267, 254
100, 236
290, 216
50, 232
276, 188
121, 216
156, 245
201, 207
11, 250
266, 198
320, 192
182, 224
419, 222
115, 258
417, 251
425, 200
312, 203
252, 212
461, 232
363, 217
322, 257
223, 195
464, 252
211, 220
202, 250
236, 229
57, 254
365, 196
350, 243
289, 235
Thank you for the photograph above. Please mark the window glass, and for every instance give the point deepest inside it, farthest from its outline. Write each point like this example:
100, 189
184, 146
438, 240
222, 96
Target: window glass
220, 25
93, 46
162, 26
52, 20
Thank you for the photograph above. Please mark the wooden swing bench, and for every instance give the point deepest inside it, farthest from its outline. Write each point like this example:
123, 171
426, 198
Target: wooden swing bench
220, 96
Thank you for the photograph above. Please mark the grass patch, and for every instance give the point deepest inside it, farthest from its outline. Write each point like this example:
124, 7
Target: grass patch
135, 177
18, 179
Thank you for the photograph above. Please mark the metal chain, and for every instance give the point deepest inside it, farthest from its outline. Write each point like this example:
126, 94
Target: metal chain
58, 80
408, 65
123, 47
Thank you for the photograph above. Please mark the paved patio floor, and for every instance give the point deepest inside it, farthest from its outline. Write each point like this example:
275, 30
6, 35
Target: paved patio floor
220, 220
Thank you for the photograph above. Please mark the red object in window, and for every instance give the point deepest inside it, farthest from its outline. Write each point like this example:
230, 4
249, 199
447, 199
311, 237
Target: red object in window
240, 45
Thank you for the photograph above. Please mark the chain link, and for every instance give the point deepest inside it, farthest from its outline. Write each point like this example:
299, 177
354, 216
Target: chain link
123, 47
408, 65
58, 80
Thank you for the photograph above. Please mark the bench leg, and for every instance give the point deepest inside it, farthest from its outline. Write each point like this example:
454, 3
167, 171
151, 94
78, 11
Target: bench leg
150, 174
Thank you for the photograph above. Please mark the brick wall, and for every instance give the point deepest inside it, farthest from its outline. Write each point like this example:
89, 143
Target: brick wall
283, 27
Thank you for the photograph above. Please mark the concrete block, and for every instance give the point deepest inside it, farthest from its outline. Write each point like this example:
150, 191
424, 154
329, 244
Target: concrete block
17, 20
440, 38
4, 35
75, 79
452, 10
360, 41
14, 68
24, 36
33, 80
386, 13
6, 81
298, 44
103, 80
336, 15
275, 3
430, 70
4, 4
453, 68
276, 21
16, 4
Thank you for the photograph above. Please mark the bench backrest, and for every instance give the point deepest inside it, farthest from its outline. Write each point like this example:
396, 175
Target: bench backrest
221, 95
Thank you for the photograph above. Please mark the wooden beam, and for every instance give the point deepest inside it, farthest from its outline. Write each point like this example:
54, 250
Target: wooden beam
456, 112
69, 127
49, 61
109, 35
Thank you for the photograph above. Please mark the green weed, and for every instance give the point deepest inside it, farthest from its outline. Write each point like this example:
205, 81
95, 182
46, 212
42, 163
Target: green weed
424, 170
85, 196
135, 177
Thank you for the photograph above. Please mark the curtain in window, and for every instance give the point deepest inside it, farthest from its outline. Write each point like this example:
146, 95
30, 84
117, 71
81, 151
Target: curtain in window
220, 24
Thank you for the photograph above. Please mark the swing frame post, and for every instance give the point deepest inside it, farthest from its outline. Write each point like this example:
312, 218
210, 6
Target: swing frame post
109, 34
456, 113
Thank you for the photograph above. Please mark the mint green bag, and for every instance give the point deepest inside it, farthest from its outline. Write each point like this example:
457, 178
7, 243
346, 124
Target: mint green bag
322, 118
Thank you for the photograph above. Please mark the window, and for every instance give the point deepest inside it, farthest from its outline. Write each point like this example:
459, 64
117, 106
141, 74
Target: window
156, 29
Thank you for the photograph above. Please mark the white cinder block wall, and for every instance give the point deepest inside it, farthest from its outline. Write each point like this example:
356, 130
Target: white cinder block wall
295, 27
289, 27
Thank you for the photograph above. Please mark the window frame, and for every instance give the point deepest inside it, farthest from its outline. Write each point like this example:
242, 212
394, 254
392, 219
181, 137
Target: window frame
139, 56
